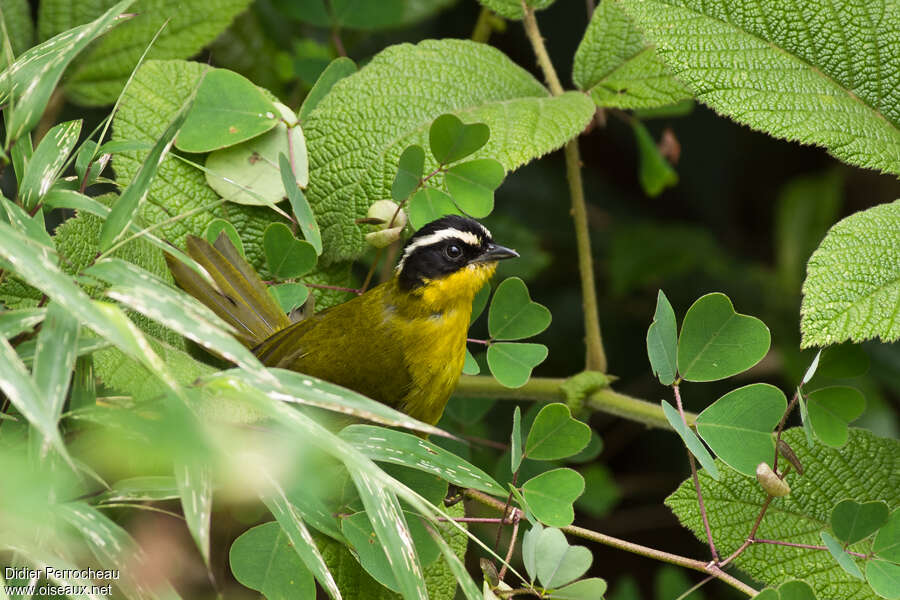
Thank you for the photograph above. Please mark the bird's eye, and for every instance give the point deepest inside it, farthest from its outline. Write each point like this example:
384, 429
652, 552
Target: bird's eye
453, 251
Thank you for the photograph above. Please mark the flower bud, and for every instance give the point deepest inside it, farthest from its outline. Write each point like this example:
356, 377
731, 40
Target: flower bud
770, 482
390, 221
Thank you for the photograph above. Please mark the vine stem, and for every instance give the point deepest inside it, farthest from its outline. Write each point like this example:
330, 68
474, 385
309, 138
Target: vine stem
549, 389
595, 358
806, 546
606, 540
709, 538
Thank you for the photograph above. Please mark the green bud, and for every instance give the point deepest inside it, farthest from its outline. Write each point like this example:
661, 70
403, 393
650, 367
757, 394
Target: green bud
770, 482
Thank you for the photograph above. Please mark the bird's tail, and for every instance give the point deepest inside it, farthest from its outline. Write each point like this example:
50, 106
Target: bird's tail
239, 296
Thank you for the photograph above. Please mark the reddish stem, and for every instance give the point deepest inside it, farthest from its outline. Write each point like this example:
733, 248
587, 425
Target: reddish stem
807, 546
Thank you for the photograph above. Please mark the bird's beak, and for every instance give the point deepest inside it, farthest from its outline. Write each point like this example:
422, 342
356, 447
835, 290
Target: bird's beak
496, 252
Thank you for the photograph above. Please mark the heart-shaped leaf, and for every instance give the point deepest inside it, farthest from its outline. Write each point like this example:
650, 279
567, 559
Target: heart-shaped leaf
884, 577
263, 559
249, 172
218, 226
409, 173
586, 589
843, 559
852, 521
557, 562
451, 139
690, 440
738, 426
555, 434
831, 409
511, 363
796, 590
357, 528
472, 185
887, 542
717, 342
550, 496
286, 256
513, 314
662, 341
299, 205
228, 110
470, 366
429, 204
289, 295
479, 303
530, 549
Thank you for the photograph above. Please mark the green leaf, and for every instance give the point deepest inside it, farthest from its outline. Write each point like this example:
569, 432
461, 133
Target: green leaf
228, 110
289, 295
512, 9
386, 14
409, 173
772, 79
555, 434
843, 559
194, 483
662, 341
515, 447
470, 366
451, 140
513, 315
301, 208
557, 563
831, 409
219, 226
884, 577
262, 559
716, 342
479, 303
17, 20
47, 162
530, 541
738, 426
472, 185
511, 363
14, 322
618, 68
412, 451
300, 539
129, 203
887, 541
33, 228
336, 70
145, 293
30, 80
352, 165
796, 590
586, 589
852, 287
249, 172
141, 489
97, 77
550, 496
358, 530
852, 521
866, 469
54, 357
690, 439
287, 256
654, 171
429, 204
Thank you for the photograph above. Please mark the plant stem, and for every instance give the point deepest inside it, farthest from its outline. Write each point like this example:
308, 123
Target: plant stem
595, 359
709, 538
781, 424
482, 31
751, 535
549, 389
606, 540
512, 544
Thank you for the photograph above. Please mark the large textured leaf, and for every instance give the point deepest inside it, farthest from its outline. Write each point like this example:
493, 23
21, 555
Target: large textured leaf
867, 469
512, 9
97, 77
812, 71
618, 68
852, 287
356, 134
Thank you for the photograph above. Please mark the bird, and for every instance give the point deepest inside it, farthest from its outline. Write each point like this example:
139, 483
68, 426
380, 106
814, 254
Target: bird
401, 343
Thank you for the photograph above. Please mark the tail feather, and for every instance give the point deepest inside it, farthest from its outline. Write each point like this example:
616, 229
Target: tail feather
239, 297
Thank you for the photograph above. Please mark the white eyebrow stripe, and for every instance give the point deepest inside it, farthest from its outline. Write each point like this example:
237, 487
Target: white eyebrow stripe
440, 235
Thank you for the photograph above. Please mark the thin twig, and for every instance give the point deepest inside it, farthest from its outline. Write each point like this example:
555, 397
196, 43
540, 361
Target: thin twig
517, 515
752, 534
607, 540
337, 288
694, 588
781, 424
807, 546
709, 538
595, 358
